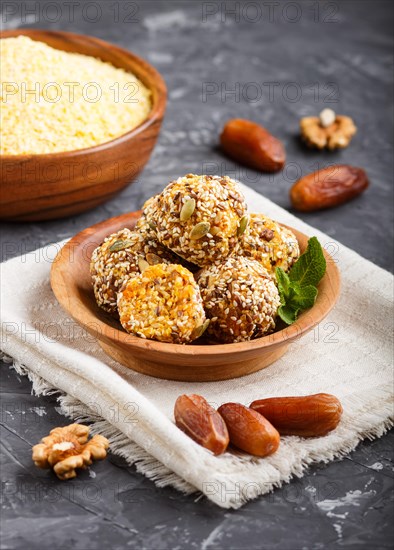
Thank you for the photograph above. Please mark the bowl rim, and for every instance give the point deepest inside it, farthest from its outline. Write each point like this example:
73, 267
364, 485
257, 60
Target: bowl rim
105, 332
155, 113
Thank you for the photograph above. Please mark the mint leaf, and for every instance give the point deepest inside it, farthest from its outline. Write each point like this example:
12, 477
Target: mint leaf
287, 314
283, 281
310, 266
295, 300
297, 289
304, 296
288, 297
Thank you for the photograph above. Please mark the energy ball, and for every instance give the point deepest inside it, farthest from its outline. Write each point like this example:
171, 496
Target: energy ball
163, 303
240, 299
200, 217
269, 243
122, 255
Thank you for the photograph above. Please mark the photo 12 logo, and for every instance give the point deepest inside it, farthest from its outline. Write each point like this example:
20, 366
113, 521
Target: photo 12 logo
271, 91
14, 14
291, 493
72, 92
270, 11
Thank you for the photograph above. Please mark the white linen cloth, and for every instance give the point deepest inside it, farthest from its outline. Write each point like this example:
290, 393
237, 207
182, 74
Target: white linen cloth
348, 355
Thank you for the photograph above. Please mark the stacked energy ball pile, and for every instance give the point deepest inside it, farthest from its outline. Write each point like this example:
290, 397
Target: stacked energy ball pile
196, 262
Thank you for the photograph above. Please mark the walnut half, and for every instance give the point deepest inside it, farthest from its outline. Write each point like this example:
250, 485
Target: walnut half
68, 448
328, 130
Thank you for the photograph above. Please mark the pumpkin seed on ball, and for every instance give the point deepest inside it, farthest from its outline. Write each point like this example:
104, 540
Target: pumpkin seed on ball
187, 210
243, 224
153, 259
200, 230
120, 245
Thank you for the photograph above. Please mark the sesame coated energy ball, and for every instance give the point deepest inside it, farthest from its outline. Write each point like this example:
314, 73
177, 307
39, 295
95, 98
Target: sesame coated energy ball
121, 256
200, 217
163, 303
269, 243
240, 299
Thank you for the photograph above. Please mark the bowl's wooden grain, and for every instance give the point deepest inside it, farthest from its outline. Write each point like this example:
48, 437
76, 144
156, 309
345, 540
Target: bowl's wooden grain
43, 187
71, 283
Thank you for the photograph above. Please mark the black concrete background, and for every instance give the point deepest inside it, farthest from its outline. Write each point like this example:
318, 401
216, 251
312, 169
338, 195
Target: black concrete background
272, 62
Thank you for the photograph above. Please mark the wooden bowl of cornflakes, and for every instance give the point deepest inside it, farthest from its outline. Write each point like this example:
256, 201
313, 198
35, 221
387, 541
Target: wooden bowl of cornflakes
42, 186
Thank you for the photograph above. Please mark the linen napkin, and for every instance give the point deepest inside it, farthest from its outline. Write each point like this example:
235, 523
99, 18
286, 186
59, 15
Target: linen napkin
349, 355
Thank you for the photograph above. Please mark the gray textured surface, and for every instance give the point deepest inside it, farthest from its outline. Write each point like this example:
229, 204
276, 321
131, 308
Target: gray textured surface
344, 51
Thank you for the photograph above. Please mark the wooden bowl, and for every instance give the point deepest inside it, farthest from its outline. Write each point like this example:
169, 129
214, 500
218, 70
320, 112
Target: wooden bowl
47, 186
71, 283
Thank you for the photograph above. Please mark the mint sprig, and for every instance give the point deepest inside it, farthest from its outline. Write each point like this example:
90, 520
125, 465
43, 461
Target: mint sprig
297, 289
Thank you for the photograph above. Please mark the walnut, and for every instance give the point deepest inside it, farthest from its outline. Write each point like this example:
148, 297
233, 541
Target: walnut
68, 448
328, 130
